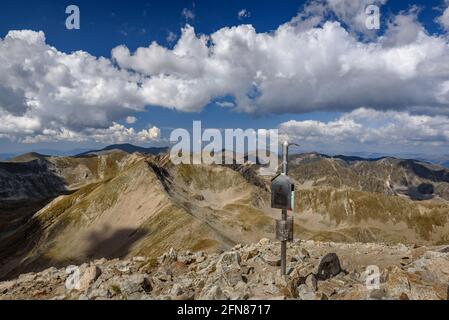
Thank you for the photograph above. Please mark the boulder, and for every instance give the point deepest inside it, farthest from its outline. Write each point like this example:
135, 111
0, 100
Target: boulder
298, 277
123, 267
329, 267
377, 294
397, 283
434, 266
173, 255
280, 280
88, 277
176, 290
228, 266
272, 260
239, 292
228, 260
305, 293
135, 283
249, 253
99, 294
311, 282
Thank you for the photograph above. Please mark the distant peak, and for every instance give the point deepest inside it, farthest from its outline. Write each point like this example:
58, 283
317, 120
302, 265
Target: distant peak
30, 156
126, 147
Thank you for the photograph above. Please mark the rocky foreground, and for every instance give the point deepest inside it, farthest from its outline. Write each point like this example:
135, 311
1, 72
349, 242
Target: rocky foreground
316, 271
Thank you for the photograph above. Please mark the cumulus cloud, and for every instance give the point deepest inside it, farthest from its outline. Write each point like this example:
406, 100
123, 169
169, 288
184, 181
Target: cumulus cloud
297, 69
45, 92
352, 13
365, 128
443, 20
117, 133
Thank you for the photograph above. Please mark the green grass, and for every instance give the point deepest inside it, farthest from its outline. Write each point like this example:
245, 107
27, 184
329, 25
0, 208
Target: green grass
116, 289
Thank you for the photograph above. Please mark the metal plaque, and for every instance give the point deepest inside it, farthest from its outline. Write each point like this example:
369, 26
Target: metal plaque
281, 192
284, 229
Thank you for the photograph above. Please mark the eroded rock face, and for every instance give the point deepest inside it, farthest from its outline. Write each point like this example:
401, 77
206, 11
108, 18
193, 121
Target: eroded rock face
315, 273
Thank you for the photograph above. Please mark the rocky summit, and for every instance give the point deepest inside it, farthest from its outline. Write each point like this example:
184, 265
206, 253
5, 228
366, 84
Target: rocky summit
316, 271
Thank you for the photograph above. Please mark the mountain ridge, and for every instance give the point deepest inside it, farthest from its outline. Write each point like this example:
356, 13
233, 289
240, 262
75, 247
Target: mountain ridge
128, 148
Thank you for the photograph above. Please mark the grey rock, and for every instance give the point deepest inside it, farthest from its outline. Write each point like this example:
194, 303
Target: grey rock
228, 266
305, 293
173, 255
99, 293
88, 276
272, 260
228, 260
304, 255
176, 290
123, 267
212, 293
136, 283
280, 280
378, 294
329, 267
241, 291
311, 282
444, 250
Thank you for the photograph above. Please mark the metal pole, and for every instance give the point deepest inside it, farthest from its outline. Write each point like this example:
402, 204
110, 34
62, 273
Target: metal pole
284, 212
285, 158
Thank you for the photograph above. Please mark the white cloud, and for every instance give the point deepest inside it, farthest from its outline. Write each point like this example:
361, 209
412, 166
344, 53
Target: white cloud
350, 12
443, 20
298, 70
364, 128
44, 91
131, 120
117, 133
242, 14
403, 29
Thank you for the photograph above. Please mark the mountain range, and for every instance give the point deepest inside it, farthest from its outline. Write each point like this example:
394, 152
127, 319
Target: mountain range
129, 148
82, 152
117, 203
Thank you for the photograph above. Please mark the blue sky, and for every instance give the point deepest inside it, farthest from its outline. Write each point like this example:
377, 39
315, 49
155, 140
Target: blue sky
108, 24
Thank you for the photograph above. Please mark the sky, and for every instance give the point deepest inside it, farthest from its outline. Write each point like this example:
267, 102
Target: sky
137, 70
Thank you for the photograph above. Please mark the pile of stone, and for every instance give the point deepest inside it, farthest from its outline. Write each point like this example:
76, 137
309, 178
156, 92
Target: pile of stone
316, 271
